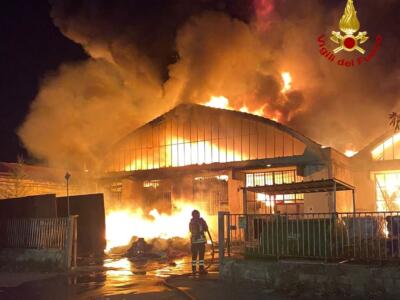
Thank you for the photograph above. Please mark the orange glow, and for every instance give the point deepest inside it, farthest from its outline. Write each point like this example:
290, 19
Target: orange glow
122, 225
223, 103
350, 153
218, 102
388, 191
287, 82
186, 153
377, 153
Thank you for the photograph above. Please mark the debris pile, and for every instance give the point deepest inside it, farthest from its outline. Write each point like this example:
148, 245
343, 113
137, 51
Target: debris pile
156, 248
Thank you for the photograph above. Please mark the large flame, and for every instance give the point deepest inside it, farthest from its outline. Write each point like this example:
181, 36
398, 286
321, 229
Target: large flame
287, 81
218, 102
122, 225
223, 102
350, 153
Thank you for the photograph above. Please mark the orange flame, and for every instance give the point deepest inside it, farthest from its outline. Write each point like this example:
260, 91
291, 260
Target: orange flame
287, 82
218, 102
223, 102
122, 225
350, 153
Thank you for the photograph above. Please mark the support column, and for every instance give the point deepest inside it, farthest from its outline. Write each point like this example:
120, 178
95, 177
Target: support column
244, 200
334, 197
221, 235
70, 243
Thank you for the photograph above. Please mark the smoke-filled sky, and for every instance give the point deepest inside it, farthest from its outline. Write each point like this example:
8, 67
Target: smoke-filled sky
144, 57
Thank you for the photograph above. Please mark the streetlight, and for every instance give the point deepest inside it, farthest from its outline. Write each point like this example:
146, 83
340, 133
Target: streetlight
67, 177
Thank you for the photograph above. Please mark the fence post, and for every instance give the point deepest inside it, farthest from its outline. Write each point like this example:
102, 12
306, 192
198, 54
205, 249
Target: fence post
75, 241
70, 243
221, 235
228, 233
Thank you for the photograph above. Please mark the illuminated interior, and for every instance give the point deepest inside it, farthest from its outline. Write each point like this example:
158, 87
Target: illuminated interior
263, 203
389, 149
202, 136
388, 191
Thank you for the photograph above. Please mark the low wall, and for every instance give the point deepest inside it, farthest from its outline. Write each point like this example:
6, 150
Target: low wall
43, 259
299, 277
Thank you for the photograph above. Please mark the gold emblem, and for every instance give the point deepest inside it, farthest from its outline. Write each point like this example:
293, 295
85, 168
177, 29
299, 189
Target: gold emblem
349, 25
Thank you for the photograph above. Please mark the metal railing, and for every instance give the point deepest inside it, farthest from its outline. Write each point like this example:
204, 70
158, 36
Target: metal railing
42, 234
47, 233
366, 236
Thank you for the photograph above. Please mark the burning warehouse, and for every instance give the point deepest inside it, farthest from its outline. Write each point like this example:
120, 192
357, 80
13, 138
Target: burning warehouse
213, 159
207, 156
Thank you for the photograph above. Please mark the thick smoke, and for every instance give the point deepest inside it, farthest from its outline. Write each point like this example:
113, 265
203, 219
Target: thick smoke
147, 56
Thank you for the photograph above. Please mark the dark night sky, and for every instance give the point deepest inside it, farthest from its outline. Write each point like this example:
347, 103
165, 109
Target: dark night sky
30, 47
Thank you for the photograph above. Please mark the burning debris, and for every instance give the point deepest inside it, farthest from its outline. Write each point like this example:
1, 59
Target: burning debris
158, 248
125, 224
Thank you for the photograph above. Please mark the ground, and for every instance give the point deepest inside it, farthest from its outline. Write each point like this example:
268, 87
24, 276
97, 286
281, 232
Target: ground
119, 278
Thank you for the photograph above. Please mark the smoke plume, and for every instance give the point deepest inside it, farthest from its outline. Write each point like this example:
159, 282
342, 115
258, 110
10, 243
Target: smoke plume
148, 56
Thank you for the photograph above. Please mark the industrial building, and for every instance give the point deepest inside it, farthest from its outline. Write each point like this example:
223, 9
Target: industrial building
227, 160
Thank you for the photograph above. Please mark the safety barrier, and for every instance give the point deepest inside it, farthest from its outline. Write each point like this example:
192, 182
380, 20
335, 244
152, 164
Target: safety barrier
366, 236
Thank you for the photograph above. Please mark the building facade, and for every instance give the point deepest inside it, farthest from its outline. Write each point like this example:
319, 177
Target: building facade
208, 156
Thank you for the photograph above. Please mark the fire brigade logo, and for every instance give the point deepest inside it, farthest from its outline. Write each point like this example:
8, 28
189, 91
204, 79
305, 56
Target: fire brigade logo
349, 39
349, 25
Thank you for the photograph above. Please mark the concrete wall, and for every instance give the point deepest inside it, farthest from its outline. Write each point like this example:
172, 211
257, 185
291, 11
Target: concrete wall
43, 259
369, 282
365, 191
235, 196
317, 202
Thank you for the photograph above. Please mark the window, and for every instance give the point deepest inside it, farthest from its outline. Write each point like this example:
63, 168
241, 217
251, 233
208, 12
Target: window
272, 177
260, 201
151, 184
115, 190
388, 150
387, 191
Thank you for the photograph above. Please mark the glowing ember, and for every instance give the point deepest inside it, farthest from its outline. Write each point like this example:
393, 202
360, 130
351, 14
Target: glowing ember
122, 225
350, 153
287, 81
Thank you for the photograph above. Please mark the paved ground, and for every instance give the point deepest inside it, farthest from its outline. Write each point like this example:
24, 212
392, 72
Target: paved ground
123, 279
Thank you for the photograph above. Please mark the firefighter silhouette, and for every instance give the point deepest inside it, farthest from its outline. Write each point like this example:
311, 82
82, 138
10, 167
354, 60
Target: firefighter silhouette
198, 227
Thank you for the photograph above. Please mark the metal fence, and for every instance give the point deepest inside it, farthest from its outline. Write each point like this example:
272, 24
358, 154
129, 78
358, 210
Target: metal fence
48, 233
43, 234
367, 236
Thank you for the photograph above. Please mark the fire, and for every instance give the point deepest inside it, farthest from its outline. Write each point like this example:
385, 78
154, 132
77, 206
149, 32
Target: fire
122, 225
223, 103
218, 102
350, 153
184, 154
287, 82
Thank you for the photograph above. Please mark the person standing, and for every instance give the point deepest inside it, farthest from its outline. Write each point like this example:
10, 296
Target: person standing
198, 227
